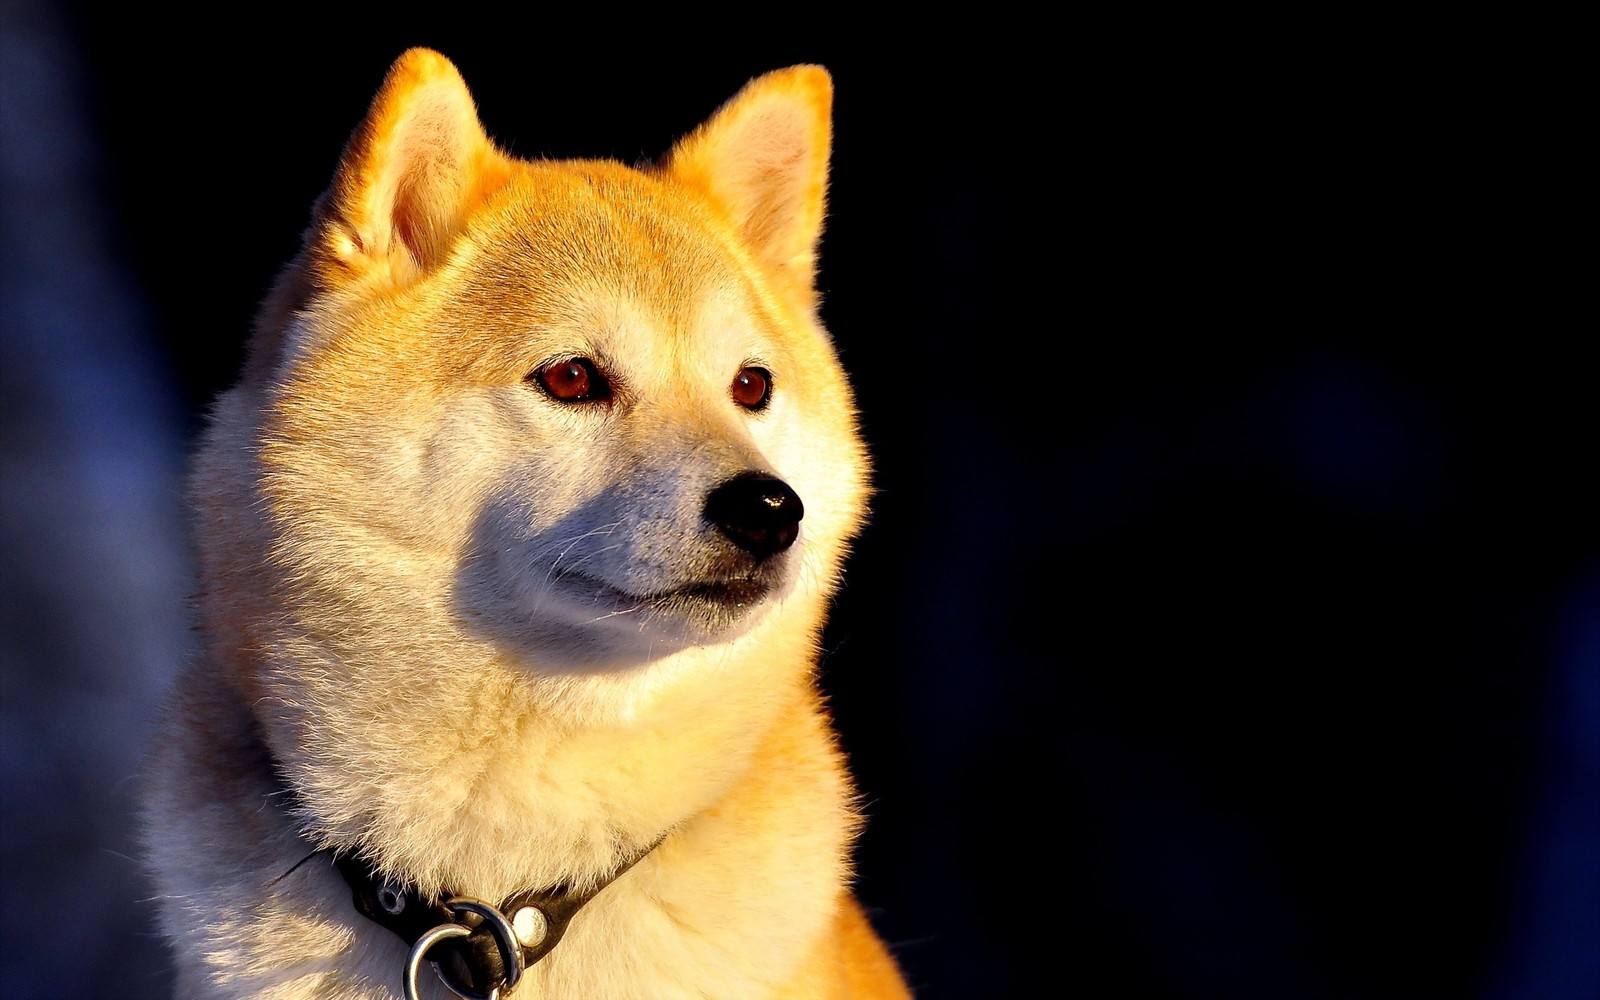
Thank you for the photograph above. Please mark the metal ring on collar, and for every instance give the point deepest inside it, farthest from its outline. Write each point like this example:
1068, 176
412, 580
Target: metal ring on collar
419, 951
505, 939
505, 936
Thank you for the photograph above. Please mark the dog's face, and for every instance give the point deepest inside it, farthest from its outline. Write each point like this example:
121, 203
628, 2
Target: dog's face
585, 410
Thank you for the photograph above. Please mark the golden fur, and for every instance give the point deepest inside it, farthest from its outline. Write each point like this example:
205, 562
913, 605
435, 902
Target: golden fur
432, 591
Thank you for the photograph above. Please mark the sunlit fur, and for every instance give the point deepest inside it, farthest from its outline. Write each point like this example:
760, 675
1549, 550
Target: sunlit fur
433, 594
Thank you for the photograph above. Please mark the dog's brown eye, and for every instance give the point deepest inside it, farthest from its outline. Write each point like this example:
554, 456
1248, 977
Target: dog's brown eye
752, 387
573, 381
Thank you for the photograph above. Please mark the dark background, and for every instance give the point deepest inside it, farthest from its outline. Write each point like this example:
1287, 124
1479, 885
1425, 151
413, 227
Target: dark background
1228, 624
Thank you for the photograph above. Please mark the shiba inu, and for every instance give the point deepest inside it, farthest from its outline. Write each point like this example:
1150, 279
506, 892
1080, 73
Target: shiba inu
516, 538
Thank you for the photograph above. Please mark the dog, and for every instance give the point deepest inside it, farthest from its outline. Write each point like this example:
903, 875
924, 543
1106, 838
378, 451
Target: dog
515, 540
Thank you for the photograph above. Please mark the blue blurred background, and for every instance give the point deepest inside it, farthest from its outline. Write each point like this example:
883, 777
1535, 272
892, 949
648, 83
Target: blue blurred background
1228, 624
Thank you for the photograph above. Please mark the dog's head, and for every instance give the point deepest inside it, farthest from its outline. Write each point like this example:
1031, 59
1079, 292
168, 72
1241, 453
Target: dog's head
582, 410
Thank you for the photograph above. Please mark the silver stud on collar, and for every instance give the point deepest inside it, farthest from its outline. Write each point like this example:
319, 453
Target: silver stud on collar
530, 925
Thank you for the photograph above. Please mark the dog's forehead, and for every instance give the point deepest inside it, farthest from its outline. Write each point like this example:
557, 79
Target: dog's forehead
599, 249
562, 221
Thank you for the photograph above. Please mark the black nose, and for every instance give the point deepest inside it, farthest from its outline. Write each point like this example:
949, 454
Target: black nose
760, 513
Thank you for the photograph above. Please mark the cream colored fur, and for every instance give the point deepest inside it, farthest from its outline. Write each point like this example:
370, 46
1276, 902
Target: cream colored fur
412, 558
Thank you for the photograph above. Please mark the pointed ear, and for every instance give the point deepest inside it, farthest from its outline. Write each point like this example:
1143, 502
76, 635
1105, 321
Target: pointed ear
410, 176
763, 159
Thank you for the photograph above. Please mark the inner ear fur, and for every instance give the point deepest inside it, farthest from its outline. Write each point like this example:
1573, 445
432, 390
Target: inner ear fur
410, 176
762, 158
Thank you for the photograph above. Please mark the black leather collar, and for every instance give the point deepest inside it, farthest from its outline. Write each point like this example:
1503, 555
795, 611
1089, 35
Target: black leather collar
471, 964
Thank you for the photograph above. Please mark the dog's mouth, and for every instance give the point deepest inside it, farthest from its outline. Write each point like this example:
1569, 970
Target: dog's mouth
732, 593
705, 606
